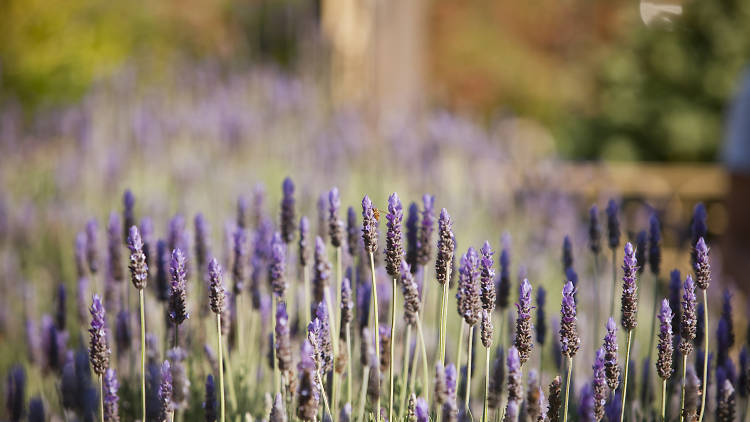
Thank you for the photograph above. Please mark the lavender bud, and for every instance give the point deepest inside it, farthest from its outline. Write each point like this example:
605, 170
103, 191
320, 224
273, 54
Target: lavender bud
239, 269
468, 293
162, 270
599, 385
178, 289
441, 390
111, 400
515, 386
114, 242
92, 250
216, 292
555, 400
138, 267
412, 235
524, 341
322, 271
36, 410
611, 367
541, 318
654, 244
277, 269
725, 411
352, 231
128, 212
123, 334
567, 254
98, 348
424, 244
503, 281
384, 335
15, 393
422, 410
702, 265
569, 339
335, 226
534, 398
308, 396
445, 246
347, 305
180, 381
319, 336
487, 277
675, 284
688, 318
450, 407
278, 411
369, 225
614, 406
165, 392
698, 229
288, 217
595, 230
496, 379
394, 242
613, 224
586, 404
202, 243
487, 329
209, 403
641, 245
665, 346
283, 344
692, 395
304, 247
149, 251
629, 300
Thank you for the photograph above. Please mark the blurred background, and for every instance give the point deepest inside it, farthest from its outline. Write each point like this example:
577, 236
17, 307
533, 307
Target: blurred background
582, 97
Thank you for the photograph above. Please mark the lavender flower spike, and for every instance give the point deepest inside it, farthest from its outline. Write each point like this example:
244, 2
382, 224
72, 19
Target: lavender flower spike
277, 268
524, 341
688, 317
335, 226
468, 292
369, 226
216, 289
165, 392
599, 385
450, 407
613, 224
411, 294
304, 241
288, 218
412, 235
394, 241
15, 389
702, 265
515, 388
424, 243
209, 403
92, 250
569, 339
111, 400
487, 277
541, 318
629, 301
178, 289
654, 244
352, 231
283, 345
239, 263
595, 231
322, 271
98, 348
612, 369
308, 395
445, 245
138, 267
665, 346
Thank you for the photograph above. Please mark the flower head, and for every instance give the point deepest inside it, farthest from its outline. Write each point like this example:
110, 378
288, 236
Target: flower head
239, 263
595, 230
165, 391
569, 339
555, 399
111, 407
412, 235
347, 304
613, 224
352, 231
702, 265
322, 271
304, 240
202, 243
15, 393
541, 318
487, 277
98, 348
178, 289
567, 253
450, 407
515, 386
138, 267
629, 300
446, 245
411, 294
468, 294
92, 249
688, 318
394, 242
654, 244
209, 402
216, 290
283, 345
335, 225
611, 367
277, 267
369, 226
665, 346
599, 385
503, 280
288, 217
524, 342
424, 244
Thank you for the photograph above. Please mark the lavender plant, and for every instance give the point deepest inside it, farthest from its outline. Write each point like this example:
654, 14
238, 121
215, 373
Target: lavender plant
702, 280
569, 340
139, 276
629, 308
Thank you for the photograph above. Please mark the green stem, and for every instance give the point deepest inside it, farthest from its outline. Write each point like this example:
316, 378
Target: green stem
349, 364
705, 355
682, 400
404, 373
468, 371
323, 393
363, 394
393, 345
101, 397
334, 344
306, 277
221, 367
377, 323
459, 350
273, 345
567, 388
143, 356
625, 379
425, 370
663, 399
485, 414
595, 331
614, 284
443, 321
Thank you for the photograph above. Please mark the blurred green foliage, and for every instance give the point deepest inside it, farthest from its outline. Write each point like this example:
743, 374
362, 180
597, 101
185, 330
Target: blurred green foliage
663, 91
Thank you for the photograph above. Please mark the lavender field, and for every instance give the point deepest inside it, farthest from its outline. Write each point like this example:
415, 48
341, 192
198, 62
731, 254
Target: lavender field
232, 247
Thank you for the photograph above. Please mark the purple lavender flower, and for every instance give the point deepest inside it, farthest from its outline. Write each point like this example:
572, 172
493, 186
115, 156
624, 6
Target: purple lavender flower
524, 341
80, 254
567, 254
412, 235
278, 410
147, 235
555, 400
599, 385
534, 398
277, 268
288, 217
595, 230
162, 269
352, 231
111, 400
319, 336
424, 243
698, 229
629, 300
322, 271
60, 313
165, 392
692, 395
128, 212
468, 293
36, 410
123, 333
497, 379
613, 224
572, 276
702, 265
586, 404
178, 289
503, 281
743, 384
688, 318
202, 243
726, 408
569, 339
441, 390
487, 276
239, 269
610, 355
675, 284
335, 226
422, 410
726, 315
308, 395
641, 246
515, 386
216, 290
346, 306
450, 407
369, 226
98, 348
138, 267
446, 245
209, 402
180, 380
92, 249
394, 242
304, 235
541, 318
665, 346
654, 244
283, 344
243, 211
15, 393
114, 242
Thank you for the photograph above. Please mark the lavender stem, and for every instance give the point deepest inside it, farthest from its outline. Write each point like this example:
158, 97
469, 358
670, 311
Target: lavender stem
101, 397
375, 316
468, 372
705, 354
567, 388
221, 366
405, 373
393, 346
625, 377
682, 400
143, 355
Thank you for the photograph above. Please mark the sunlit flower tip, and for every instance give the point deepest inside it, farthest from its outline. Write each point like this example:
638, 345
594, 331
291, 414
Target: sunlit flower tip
629, 301
394, 242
